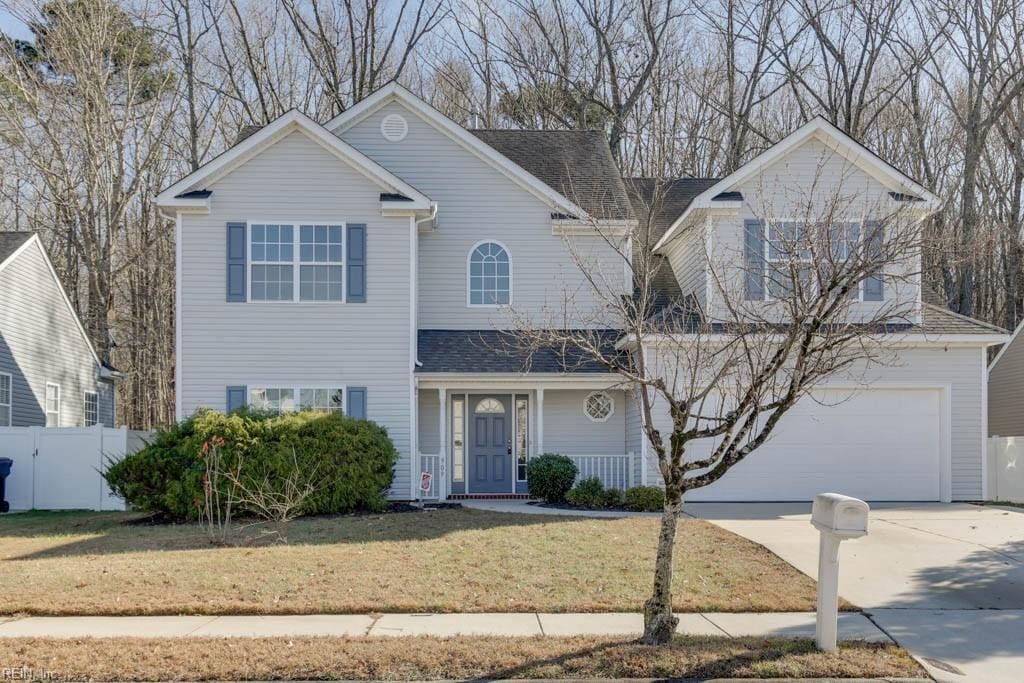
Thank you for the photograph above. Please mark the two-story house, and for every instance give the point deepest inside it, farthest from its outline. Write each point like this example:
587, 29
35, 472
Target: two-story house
368, 265
50, 375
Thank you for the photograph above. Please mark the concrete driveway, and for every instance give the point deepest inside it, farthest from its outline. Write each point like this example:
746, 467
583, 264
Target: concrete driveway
946, 581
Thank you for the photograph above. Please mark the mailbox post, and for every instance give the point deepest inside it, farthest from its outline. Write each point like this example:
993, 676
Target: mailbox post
838, 518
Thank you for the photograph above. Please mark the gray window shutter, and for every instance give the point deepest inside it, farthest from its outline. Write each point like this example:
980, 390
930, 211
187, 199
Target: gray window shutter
355, 260
753, 257
236, 398
355, 400
874, 289
236, 262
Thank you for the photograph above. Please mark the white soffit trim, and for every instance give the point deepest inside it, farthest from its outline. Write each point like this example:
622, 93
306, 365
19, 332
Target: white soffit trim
293, 121
394, 92
1009, 342
833, 138
34, 240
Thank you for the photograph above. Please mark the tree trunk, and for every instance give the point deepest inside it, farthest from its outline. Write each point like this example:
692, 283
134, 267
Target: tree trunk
659, 622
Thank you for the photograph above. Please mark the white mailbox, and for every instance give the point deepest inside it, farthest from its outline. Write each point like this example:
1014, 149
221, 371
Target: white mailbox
837, 518
842, 516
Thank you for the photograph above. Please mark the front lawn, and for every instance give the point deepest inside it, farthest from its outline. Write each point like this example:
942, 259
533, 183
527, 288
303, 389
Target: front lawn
424, 658
457, 560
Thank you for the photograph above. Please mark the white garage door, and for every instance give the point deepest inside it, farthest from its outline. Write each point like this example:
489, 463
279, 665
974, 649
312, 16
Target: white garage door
877, 444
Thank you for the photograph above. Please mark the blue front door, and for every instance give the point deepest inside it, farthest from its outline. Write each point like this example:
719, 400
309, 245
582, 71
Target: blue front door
490, 445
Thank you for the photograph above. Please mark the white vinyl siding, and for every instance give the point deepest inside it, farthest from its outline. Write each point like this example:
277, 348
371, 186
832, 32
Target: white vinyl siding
476, 202
569, 431
284, 344
811, 174
40, 342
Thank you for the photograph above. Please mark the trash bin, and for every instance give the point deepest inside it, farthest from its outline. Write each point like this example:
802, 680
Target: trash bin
5, 469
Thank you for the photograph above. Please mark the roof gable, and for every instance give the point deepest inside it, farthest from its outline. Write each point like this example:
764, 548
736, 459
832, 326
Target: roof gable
508, 167
191, 191
31, 244
901, 186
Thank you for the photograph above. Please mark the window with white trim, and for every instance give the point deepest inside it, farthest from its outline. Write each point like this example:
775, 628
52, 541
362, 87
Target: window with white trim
296, 262
292, 399
490, 275
599, 406
788, 245
92, 408
272, 250
322, 400
6, 396
52, 405
458, 438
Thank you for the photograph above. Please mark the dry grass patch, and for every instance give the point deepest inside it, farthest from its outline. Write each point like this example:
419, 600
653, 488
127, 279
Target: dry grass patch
423, 658
440, 561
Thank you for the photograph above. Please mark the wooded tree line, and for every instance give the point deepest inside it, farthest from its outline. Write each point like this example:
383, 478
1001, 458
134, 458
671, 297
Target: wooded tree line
113, 100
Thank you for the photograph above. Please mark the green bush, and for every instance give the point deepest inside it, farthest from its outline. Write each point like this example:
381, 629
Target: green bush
550, 477
349, 462
645, 499
613, 498
589, 493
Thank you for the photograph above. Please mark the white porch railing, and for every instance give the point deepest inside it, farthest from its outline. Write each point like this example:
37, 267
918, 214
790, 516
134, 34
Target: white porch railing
430, 464
614, 471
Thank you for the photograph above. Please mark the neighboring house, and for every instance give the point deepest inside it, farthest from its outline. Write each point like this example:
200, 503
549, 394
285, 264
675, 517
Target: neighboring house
367, 265
50, 374
1006, 388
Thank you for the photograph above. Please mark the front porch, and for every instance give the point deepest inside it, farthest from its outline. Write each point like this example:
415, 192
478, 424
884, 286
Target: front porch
476, 435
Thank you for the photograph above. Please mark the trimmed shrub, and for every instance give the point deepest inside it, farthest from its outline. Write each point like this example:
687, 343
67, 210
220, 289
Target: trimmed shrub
550, 477
645, 499
350, 463
589, 493
613, 498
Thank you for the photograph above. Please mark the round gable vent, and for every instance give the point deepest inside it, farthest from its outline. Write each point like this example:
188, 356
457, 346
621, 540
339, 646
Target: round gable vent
394, 128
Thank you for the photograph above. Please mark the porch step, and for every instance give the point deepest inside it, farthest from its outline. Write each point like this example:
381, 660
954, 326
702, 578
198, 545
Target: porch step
489, 496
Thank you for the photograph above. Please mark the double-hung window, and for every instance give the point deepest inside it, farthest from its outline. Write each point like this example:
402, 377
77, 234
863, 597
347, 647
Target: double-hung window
52, 405
6, 395
273, 262
788, 259
321, 266
291, 399
92, 408
296, 262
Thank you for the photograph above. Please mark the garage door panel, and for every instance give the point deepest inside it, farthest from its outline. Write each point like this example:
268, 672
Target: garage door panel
877, 444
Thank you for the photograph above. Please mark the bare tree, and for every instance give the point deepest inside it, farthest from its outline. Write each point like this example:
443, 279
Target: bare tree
714, 378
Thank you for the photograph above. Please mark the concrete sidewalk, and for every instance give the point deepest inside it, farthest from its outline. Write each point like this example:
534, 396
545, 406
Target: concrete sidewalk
852, 626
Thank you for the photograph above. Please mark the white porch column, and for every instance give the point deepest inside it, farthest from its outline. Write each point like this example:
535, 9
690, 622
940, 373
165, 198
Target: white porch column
540, 421
442, 444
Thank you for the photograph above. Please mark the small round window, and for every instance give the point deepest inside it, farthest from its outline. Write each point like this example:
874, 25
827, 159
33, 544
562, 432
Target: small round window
599, 406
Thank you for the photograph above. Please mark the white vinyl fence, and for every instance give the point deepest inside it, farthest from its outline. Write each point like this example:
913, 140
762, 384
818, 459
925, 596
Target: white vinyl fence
1006, 468
59, 468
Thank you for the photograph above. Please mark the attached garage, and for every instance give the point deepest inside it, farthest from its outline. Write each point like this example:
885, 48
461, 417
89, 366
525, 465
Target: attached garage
877, 444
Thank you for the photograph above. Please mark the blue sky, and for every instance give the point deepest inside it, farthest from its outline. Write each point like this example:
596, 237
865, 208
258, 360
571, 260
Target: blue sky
13, 26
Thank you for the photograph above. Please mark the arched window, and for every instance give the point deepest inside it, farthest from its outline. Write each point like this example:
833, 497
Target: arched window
489, 405
490, 275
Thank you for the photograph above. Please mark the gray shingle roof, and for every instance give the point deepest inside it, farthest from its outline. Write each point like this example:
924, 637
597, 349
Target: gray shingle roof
11, 241
577, 164
490, 351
